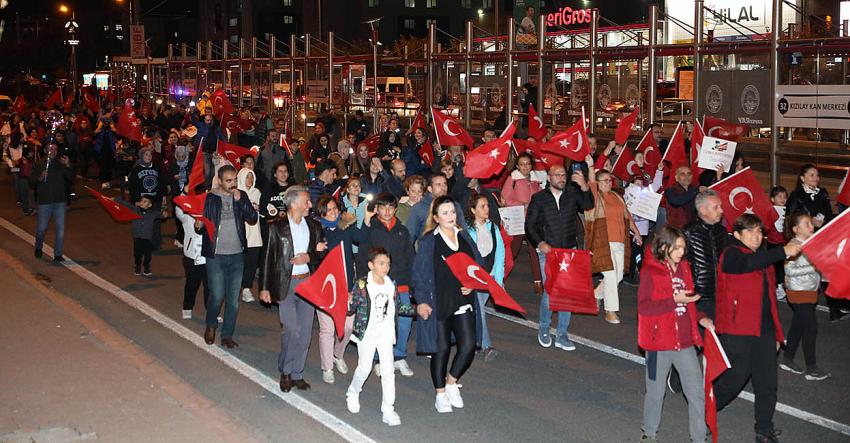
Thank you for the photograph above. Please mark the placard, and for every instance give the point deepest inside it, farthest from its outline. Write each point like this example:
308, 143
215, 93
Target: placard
644, 204
715, 151
513, 219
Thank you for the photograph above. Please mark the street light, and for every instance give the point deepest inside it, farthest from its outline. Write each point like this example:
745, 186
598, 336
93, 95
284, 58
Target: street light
72, 41
63, 9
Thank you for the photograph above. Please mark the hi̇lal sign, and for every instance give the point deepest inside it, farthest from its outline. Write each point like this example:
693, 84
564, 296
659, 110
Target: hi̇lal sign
568, 16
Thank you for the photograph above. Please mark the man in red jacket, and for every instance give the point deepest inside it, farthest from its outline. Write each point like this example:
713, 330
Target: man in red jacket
747, 320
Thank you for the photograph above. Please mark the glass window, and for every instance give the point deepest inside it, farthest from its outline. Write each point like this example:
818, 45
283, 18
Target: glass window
373, 3
287, 19
409, 3
486, 4
430, 3
287, 2
233, 21
409, 23
466, 4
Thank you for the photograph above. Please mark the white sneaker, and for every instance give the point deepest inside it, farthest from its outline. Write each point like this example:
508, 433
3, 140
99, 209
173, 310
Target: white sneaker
247, 296
187, 314
328, 376
377, 369
353, 403
340, 366
442, 403
391, 418
402, 367
780, 292
453, 394
220, 319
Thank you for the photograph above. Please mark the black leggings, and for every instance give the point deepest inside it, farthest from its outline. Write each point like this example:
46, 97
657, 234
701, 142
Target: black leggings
804, 326
463, 327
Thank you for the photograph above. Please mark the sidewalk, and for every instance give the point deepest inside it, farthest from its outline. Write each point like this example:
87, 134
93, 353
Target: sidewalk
66, 376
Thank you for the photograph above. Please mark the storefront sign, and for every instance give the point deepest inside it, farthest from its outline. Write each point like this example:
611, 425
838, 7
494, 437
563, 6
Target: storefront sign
568, 16
813, 106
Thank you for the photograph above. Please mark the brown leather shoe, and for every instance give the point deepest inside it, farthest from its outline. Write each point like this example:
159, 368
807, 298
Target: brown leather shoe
302, 385
209, 335
538, 288
229, 343
285, 383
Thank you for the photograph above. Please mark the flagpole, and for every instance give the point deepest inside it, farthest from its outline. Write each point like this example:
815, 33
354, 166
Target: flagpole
619, 157
434, 122
644, 138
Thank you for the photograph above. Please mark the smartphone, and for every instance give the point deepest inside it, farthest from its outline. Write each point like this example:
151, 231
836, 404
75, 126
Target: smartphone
576, 167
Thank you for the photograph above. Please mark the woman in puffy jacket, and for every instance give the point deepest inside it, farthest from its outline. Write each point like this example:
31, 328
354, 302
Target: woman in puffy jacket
667, 331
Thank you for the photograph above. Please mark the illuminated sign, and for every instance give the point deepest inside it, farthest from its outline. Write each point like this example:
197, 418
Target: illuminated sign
568, 16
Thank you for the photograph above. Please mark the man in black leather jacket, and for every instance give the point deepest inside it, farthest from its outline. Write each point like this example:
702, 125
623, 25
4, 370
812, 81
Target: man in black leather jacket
296, 248
706, 239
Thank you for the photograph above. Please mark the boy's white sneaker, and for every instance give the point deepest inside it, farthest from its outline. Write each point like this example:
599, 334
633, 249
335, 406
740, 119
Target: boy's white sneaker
453, 394
442, 403
187, 314
403, 368
353, 403
340, 366
328, 376
391, 418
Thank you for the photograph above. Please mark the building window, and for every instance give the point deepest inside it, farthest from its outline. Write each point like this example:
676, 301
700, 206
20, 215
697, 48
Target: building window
287, 2
373, 3
429, 21
234, 39
430, 3
486, 4
409, 3
234, 21
287, 19
409, 23
466, 4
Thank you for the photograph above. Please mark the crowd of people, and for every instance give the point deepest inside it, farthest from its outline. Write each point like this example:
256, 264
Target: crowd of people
275, 215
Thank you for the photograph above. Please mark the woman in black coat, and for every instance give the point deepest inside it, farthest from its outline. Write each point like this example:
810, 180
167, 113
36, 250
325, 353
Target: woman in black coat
809, 198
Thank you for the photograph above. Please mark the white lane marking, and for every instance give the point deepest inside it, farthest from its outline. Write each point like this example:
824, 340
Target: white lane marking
781, 407
325, 418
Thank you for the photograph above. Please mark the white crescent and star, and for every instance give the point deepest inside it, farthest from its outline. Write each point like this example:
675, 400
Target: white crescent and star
564, 265
539, 121
629, 167
330, 278
447, 130
840, 248
470, 270
578, 146
739, 190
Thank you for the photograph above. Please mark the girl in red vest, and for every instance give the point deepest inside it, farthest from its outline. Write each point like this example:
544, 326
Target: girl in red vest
747, 321
667, 331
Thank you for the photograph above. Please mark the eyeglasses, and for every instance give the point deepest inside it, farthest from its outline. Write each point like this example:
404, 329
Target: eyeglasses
606, 180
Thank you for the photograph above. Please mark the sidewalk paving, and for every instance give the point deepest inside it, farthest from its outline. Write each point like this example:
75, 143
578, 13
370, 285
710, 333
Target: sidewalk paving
66, 376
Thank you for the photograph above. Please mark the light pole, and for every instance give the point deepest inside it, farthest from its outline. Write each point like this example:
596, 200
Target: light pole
72, 26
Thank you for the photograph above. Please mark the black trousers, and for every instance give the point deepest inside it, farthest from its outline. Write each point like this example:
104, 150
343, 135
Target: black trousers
251, 258
106, 161
142, 249
463, 328
804, 327
751, 358
196, 275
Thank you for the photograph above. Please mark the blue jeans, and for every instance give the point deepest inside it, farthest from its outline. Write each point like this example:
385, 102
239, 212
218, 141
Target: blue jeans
485, 333
403, 326
224, 278
545, 313
57, 211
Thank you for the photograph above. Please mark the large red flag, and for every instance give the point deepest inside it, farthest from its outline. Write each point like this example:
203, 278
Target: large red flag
649, 146
193, 205
569, 282
233, 153
54, 99
490, 158
129, 125
536, 128
719, 128
828, 251
20, 104
372, 143
327, 288
426, 153
742, 193
449, 131
220, 103
624, 127
69, 101
234, 124
418, 122
197, 177
844, 190
117, 211
715, 363
573, 143
675, 154
509, 258
472, 275
91, 101
625, 165
542, 160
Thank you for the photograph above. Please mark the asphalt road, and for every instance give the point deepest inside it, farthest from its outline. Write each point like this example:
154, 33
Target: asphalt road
528, 393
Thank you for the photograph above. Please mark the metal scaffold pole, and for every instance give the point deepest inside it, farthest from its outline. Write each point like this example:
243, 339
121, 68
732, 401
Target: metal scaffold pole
698, 22
541, 46
467, 111
652, 68
591, 75
776, 78
509, 89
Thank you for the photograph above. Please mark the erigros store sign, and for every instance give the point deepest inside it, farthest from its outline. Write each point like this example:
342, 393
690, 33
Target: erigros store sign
568, 16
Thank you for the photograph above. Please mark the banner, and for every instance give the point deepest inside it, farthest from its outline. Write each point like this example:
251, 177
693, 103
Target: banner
643, 203
741, 97
813, 106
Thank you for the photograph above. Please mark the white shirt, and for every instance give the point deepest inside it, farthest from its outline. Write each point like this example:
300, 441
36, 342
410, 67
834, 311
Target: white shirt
453, 245
381, 309
300, 243
557, 194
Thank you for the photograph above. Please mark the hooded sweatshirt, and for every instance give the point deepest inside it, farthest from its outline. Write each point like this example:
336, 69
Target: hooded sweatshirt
252, 232
146, 181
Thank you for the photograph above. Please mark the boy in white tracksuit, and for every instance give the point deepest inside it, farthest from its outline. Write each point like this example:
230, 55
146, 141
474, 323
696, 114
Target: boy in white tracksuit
375, 303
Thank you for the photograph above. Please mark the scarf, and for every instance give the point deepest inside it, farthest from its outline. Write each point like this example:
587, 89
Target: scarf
329, 224
810, 191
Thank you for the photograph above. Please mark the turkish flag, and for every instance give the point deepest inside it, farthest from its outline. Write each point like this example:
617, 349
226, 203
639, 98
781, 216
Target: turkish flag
129, 125
649, 146
327, 288
742, 193
449, 131
675, 154
573, 143
196, 177
697, 140
193, 205
285, 145
828, 251
624, 127
536, 128
426, 153
233, 153
543, 160
117, 211
54, 99
91, 101
372, 143
844, 190
625, 165
719, 128
472, 275
569, 282
509, 257
490, 158
418, 122
235, 124
69, 101
715, 363
20, 104
220, 103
